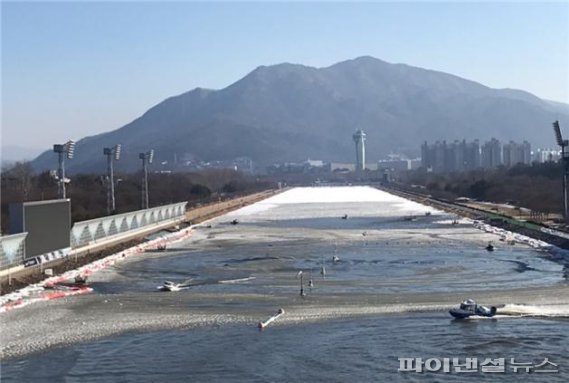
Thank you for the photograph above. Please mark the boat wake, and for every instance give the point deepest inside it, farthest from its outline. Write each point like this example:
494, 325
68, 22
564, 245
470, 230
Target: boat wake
545, 311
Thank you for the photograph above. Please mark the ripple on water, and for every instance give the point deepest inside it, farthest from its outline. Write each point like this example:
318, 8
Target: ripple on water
365, 349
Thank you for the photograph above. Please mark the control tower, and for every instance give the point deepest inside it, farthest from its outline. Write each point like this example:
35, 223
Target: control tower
360, 139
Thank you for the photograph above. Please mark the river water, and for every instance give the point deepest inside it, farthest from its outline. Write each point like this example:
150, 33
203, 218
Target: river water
398, 271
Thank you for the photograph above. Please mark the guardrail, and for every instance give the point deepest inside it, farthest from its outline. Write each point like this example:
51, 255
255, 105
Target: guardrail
87, 232
12, 249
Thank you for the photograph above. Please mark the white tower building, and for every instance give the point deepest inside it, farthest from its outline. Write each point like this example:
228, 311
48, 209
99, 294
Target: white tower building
360, 139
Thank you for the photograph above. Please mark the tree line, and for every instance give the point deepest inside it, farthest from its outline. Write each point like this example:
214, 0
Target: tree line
537, 186
88, 192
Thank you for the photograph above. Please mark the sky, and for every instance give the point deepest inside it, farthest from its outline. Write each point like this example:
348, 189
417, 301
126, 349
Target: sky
73, 69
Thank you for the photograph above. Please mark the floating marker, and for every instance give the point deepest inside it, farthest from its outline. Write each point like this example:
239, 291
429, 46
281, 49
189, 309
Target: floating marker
262, 325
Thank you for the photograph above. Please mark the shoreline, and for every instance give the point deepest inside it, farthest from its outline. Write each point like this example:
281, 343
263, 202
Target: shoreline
193, 217
97, 316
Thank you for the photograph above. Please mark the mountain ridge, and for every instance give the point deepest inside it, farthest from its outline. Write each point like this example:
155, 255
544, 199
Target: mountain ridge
289, 112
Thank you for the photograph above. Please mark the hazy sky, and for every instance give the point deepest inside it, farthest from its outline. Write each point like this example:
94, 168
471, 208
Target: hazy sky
72, 69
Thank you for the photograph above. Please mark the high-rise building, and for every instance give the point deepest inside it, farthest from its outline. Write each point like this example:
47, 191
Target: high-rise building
426, 156
546, 155
359, 139
514, 153
455, 156
526, 153
462, 155
491, 154
472, 155
440, 155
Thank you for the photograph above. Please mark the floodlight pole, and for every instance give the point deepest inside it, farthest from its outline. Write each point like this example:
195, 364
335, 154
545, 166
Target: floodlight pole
145, 157
68, 149
110, 182
565, 163
145, 166
112, 154
111, 192
61, 174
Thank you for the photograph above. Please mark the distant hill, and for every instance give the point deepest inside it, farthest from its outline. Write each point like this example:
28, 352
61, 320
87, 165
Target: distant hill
290, 112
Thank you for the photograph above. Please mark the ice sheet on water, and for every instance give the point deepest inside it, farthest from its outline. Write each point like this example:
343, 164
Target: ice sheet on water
335, 194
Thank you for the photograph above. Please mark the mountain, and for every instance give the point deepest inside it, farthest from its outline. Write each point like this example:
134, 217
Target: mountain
290, 112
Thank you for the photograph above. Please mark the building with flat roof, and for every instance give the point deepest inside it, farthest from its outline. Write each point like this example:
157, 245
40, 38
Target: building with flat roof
462, 155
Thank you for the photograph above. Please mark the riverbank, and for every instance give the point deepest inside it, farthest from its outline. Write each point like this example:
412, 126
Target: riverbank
241, 274
506, 222
25, 277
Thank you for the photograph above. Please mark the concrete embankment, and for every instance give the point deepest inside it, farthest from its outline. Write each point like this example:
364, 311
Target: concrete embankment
529, 229
19, 277
202, 213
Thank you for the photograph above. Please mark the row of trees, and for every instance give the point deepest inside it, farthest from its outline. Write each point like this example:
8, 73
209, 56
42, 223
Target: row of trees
536, 186
88, 192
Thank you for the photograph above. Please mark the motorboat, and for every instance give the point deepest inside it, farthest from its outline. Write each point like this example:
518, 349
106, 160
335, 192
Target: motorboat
234, 222
490, 247
173, 286
345, 216
169, 286
470, 308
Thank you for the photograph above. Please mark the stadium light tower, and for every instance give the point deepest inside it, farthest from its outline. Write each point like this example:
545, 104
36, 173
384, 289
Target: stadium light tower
63, 150
146, 159
565, 160
113, 154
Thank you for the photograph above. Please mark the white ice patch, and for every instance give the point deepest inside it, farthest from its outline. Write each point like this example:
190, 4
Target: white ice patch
335, 194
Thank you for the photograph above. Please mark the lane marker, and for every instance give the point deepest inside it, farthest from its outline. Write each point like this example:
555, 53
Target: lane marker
264, 324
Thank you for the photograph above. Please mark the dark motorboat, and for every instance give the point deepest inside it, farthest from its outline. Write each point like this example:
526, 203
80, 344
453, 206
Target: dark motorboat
345, 216
234, 222
471, 308
490, 247
173, 286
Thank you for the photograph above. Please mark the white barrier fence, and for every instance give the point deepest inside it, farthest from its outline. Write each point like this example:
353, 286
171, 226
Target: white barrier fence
45, 290
84, 233
12, 249
88, 232
47, 257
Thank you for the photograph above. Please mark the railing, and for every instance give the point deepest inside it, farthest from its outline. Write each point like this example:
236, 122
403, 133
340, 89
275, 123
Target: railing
12, 249
87, 232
